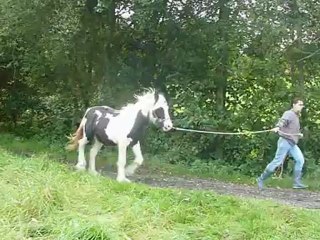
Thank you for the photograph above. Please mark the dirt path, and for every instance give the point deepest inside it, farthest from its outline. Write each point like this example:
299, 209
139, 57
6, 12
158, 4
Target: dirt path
297, 198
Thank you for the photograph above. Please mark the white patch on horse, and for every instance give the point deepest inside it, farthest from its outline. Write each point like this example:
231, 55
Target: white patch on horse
108, 115
136, 162
99, 114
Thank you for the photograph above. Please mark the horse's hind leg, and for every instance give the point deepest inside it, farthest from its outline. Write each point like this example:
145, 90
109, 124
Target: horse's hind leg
93, 153
81, 165
138, 159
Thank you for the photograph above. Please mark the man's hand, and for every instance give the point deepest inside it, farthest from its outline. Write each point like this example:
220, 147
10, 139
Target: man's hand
276, 129
300, 135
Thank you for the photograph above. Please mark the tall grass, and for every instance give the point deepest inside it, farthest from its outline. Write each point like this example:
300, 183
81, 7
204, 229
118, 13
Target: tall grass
43, 199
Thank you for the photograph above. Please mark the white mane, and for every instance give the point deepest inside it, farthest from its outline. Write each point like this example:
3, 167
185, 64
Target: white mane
148, 92
144, 101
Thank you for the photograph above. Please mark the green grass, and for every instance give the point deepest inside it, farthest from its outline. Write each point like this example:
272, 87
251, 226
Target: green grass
152, 164
43, 199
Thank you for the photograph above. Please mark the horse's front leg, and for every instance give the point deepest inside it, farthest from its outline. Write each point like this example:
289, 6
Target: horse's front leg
122, 159
138, 159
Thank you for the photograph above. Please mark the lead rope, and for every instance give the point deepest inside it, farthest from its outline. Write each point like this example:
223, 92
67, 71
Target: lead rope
239, 133
233, 133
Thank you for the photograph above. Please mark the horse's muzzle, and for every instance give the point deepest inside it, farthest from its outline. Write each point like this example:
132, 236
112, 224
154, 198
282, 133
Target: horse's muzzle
167, 127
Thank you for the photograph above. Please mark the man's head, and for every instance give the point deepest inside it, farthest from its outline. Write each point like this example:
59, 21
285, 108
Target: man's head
297, 105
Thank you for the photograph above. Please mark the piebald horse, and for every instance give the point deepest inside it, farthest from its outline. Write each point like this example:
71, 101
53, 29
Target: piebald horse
103, 125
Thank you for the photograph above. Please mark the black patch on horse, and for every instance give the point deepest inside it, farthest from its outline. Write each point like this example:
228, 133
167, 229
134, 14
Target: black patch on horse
138, 129
90, 124
100, 131
92, 118
160, 116
159, 113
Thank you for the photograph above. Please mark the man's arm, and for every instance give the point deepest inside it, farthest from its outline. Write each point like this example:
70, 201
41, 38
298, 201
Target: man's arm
283, 121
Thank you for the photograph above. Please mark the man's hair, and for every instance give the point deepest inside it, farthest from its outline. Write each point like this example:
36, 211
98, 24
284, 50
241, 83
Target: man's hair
296, 100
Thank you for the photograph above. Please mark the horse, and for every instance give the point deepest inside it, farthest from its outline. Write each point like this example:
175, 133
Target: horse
103, 125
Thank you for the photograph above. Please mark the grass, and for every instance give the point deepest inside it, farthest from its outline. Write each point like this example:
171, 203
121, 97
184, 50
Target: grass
44, 199
153, 164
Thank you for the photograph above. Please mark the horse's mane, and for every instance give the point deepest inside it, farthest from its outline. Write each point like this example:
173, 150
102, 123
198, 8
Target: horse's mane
144, 100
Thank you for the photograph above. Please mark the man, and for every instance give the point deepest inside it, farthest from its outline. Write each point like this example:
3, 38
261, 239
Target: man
288, 129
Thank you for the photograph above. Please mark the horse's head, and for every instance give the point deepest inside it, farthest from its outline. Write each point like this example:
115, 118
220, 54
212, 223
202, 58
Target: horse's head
155, 107
159, 114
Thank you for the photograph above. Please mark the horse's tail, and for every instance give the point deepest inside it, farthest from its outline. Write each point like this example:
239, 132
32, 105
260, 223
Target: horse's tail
74, 138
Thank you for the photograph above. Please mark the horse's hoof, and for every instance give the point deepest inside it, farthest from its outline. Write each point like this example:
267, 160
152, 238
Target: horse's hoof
130, 171
123, 180
80, 168
94, 172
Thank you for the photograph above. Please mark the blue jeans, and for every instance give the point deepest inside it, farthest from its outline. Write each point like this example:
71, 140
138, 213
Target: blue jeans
285, 147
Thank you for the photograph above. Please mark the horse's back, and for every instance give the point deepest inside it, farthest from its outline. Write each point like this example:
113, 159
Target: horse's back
102, 109
97, 119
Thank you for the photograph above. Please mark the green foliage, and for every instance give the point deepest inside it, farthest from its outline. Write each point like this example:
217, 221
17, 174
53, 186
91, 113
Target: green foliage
227, 66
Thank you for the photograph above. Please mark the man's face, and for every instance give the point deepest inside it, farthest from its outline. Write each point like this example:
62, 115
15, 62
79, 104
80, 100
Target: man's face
297, 107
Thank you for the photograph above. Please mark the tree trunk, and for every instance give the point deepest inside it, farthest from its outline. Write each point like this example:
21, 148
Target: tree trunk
109, 73
222, 74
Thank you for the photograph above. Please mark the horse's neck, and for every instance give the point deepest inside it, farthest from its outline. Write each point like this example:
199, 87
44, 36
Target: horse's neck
139, 126
133, 109
132, 120
143, 109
